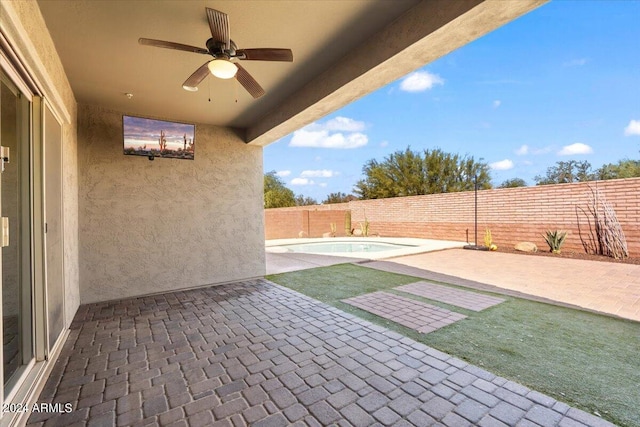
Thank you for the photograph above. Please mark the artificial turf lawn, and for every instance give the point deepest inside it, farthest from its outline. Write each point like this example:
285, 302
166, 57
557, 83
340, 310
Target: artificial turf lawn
586, 360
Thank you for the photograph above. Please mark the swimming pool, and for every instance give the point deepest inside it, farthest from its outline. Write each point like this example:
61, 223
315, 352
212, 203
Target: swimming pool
341, 247
353, 247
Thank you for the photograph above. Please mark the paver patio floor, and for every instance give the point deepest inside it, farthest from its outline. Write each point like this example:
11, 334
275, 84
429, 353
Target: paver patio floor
259, 354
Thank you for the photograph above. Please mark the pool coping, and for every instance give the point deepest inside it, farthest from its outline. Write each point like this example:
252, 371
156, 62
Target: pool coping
417, 246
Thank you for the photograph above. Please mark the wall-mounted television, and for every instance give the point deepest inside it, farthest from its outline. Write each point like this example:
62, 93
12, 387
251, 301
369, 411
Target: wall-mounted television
158, 138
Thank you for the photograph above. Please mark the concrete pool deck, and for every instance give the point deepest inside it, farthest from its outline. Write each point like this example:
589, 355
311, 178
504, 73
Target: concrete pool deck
286, 262
600, 286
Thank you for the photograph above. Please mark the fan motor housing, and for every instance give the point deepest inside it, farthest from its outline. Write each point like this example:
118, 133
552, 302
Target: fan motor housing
217, 48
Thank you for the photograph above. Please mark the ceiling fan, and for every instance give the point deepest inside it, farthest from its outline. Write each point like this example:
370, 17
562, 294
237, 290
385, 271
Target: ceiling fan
225, 55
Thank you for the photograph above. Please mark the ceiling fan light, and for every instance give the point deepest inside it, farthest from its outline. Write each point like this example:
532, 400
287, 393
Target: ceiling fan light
222, 68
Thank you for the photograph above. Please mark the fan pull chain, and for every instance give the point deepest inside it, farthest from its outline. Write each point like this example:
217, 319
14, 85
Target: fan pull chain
235, 89
209, 87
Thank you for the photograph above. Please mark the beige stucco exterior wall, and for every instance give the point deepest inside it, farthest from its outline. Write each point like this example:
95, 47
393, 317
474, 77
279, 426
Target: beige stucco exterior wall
132, 226
34, 44
168, 224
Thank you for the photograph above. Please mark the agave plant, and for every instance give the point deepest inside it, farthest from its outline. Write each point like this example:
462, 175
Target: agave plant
555, 239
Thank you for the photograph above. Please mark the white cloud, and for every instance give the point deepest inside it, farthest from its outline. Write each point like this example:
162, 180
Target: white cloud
283, 173
543, 150
573, 149
496, 103
340, 132
384, 143
633, 128
524, 149
320, 173
301, 181
502, 165
324, 139
344, 124
575, 62
419, 81
323, 184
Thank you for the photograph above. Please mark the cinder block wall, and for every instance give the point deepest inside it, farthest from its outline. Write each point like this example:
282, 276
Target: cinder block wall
512, 214
286, 223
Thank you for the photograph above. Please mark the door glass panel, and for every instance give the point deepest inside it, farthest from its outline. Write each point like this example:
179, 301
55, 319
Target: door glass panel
14, 192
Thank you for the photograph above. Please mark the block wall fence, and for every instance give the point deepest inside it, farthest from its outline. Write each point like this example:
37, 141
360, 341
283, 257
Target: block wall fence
512, 214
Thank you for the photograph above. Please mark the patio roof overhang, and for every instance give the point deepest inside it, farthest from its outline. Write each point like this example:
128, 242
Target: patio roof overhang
342, 51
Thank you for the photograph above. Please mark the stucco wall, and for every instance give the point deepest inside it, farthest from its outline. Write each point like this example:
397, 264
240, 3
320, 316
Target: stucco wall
280, 224
23, 21
154, 226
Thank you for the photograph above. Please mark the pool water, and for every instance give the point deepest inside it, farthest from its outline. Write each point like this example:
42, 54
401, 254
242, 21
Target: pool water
342, 247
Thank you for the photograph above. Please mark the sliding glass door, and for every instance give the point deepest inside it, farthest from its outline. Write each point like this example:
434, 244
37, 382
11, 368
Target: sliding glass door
15, 209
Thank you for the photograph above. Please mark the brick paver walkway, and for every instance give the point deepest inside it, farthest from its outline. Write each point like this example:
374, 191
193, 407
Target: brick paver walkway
259, 354
413, 314
470, 300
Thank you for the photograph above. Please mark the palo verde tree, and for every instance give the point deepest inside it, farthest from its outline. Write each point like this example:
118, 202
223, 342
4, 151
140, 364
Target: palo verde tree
513, 183
305, 201
339, 197
276, 194
623, 169
565, 172
411, 173
575, 171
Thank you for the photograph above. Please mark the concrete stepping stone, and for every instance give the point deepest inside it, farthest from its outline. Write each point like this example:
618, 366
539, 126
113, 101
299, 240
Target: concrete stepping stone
465, 299
416, 315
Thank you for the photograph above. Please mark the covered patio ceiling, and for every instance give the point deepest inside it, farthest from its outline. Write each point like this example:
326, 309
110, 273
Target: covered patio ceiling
342, 51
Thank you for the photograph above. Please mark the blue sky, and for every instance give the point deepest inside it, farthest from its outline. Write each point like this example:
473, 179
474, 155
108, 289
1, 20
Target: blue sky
560, 83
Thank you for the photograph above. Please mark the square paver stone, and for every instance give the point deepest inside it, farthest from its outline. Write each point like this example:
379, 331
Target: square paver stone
470, 300
413, 314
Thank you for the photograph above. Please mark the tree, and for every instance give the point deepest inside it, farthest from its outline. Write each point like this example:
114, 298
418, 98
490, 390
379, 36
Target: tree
410, 173
276, 194
623, 169
305, 201
513, 183
339, 198
564, 172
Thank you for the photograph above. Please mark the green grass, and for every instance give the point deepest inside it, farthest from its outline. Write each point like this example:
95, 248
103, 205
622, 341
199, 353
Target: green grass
587, 360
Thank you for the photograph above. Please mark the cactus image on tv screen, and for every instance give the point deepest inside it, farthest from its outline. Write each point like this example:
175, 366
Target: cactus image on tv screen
158, 138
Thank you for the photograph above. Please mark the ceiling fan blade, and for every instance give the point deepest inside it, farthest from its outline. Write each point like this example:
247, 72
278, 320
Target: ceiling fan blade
249, 82
171, 45
198, 76
219, 26
266, 54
